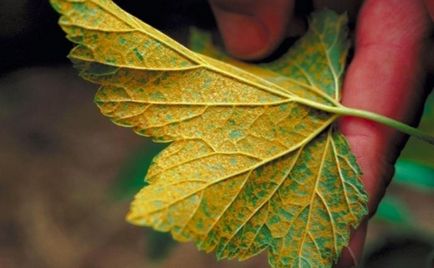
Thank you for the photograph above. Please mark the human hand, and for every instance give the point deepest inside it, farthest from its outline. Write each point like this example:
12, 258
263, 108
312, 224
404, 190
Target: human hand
385, 76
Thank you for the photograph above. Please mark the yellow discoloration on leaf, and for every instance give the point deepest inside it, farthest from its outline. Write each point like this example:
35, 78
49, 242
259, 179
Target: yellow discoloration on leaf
251, 164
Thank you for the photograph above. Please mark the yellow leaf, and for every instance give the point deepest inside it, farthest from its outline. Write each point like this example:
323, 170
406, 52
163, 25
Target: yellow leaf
253, 163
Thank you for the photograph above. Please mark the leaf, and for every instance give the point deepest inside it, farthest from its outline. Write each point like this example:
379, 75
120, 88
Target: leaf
252, 165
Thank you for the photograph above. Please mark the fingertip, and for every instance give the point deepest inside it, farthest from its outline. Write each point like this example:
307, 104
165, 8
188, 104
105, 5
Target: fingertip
244, 36
252, 29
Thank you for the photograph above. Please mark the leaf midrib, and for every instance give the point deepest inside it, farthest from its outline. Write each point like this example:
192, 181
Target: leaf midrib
199, 59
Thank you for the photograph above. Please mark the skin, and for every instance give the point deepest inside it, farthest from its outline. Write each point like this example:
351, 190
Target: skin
392, 37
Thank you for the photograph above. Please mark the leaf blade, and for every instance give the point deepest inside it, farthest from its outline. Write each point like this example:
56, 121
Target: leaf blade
246, 162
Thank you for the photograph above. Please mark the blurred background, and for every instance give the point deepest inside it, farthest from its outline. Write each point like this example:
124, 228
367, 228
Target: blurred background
67, 174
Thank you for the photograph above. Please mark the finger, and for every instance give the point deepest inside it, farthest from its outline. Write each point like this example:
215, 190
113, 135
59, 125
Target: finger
384, 77
430, 57
252, 28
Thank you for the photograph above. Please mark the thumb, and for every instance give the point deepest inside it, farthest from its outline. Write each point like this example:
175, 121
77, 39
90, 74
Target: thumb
252, 28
